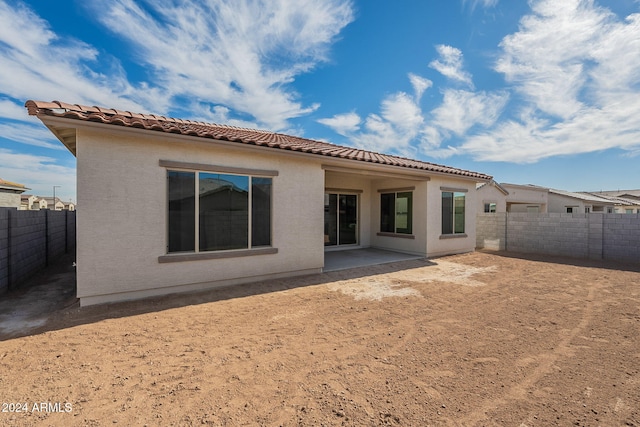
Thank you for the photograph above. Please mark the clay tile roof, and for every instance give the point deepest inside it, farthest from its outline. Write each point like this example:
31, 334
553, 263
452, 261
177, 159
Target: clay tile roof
11, 184
153, 122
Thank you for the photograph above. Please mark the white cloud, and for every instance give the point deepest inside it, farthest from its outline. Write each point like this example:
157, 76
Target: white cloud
483, 3
460, 110
576, 67
420, 85
450, 64
11, 110
39, 173
344, 124
395, 128
30, 134
239, 54
38, 64
530, 139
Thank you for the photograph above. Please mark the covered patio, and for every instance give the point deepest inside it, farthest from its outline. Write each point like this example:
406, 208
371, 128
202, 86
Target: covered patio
353, 258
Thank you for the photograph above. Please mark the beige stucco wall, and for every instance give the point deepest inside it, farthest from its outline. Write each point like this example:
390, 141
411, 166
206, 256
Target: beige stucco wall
437, 244
559, 203
417, 245
9, 200
490, 194
522, 196
122, 225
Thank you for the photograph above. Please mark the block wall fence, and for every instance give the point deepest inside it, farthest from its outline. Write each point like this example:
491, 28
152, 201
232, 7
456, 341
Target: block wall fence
614, 237
30, 240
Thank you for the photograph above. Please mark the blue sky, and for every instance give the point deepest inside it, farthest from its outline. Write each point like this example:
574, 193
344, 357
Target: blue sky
545, 92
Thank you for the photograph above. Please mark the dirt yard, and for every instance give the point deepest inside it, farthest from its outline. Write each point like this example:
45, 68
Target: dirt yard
478, 339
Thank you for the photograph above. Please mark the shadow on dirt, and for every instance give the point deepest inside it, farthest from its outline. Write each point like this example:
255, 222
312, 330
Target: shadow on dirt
48, 303
578, 262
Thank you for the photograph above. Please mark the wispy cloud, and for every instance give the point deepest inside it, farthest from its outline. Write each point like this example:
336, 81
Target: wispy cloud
36, 63
344, 124
576, 67
30, 134
39, 173
572, 74
450, 64
394, 129
484, 3
239, 54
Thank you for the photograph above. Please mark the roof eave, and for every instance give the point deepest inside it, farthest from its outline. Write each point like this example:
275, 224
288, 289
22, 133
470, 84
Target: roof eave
65, 129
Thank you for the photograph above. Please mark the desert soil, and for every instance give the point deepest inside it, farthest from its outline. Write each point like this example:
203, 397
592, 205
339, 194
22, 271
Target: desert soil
478, 339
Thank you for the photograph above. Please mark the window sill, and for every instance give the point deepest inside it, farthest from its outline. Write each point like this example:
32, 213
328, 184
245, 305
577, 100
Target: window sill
399, 235
182, 257
453, 236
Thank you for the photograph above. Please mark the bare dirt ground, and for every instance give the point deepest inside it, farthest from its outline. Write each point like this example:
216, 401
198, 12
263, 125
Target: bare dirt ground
478, 339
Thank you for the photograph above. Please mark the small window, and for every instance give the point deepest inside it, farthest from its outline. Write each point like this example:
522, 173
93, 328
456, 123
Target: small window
453, 212
587, 209
629, 211
396, 212
490, 208
569, 209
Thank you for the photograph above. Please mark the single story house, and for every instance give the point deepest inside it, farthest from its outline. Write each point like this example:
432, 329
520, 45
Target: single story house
504, 197
627, 202
561, 201
491, 197
172, 205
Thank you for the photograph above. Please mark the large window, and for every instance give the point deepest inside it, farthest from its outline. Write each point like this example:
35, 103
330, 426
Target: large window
211, 211
453, 212
396, 212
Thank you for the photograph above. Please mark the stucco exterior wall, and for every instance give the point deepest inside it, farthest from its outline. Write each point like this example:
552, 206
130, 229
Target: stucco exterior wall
122, 226
520, 196
9, 200
559, 203
490, 194
416, 245
437, 244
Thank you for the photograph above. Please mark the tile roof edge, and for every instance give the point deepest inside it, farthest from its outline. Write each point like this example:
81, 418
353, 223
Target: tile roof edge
283, 141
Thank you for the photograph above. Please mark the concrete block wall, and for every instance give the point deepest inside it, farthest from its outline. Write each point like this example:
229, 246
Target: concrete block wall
4, 250
621, 237
28, 250
491, 231
595, 236
29, 240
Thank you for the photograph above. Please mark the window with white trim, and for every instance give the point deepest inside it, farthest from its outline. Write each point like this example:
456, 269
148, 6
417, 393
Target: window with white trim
453, 212
211, 211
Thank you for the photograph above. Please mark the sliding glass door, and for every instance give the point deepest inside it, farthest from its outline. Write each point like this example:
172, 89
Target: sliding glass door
340, 219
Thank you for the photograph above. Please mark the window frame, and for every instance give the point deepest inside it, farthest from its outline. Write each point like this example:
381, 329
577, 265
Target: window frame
455, 192
490, 207
406, 232
196, 253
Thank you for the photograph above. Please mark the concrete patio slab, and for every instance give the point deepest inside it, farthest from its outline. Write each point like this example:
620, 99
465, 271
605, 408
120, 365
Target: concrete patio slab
352, 258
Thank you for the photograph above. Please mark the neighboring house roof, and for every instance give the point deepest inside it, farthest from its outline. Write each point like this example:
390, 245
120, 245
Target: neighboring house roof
13, 187
581, 196
493, 184
226, 133
619, 200
618, 192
